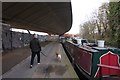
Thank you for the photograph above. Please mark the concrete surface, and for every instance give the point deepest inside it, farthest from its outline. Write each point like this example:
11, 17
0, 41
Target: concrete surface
50, 67
15, 56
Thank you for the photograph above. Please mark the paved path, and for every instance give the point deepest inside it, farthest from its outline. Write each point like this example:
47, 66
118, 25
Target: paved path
15, 56
50, 67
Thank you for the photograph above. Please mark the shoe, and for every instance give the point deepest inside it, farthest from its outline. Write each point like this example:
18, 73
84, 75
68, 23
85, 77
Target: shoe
30, 66
38, 63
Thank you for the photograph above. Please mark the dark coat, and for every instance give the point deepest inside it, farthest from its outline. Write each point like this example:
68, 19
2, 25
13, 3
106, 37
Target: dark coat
35, 45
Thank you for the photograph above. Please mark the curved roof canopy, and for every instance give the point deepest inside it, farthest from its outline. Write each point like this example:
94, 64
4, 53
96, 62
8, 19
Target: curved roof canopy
50, 17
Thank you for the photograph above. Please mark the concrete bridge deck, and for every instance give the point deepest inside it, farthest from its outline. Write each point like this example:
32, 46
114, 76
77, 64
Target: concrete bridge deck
50, 67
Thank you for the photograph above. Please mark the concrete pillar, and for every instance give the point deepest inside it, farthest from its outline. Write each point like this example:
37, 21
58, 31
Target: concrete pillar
0, 37
0, 40
0, 27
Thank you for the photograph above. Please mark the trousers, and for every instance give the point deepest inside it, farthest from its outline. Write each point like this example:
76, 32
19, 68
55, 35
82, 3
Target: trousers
33, 56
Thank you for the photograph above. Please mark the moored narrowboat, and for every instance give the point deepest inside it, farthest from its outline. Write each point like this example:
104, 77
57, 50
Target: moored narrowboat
95, 63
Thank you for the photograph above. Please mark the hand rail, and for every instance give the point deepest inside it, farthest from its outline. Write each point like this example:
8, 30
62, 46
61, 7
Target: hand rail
107, 66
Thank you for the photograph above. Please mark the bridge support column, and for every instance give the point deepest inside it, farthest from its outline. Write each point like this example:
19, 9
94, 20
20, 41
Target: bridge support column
0, 48
0, 27
0, 38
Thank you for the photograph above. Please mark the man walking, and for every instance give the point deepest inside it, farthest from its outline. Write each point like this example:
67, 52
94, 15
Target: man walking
35, 49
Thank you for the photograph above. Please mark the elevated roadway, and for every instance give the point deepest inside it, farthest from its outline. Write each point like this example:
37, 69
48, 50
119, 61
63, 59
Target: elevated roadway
49, 17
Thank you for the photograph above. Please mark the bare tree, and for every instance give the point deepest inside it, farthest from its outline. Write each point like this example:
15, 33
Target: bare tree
98, 23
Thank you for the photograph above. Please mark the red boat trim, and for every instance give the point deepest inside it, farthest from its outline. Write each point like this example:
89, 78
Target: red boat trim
107, 65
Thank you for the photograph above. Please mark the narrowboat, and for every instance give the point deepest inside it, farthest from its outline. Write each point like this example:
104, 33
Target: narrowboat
93, 62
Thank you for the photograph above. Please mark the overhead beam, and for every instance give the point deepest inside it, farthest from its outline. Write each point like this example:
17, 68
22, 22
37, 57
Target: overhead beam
55, 17
36, 0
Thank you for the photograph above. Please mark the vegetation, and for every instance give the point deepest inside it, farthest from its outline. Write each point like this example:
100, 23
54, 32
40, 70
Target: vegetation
104, 24
114, 23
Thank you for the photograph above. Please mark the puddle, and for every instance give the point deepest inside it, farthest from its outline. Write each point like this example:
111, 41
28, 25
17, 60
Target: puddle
57, 69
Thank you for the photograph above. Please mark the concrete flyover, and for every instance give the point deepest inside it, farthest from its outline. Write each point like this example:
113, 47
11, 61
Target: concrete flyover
50, 17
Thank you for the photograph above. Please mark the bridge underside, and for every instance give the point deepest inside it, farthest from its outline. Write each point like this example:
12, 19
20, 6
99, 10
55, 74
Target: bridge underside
49, 17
